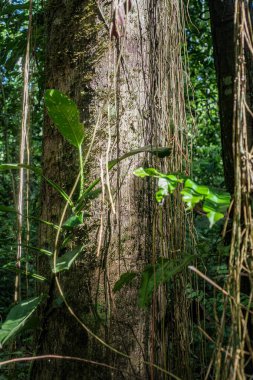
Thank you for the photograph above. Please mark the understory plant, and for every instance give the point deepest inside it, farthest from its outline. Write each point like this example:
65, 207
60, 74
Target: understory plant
65, 115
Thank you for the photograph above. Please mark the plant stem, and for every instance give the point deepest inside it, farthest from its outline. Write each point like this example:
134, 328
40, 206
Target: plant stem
81, 170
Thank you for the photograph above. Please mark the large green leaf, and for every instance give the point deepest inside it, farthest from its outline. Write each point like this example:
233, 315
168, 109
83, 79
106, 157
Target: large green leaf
193, 193
147, 172
166, 185
199, 189
215, 205
191, 197
65, 115
65, 261
17, 318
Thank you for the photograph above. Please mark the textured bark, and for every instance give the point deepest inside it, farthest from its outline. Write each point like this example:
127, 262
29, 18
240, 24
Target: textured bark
222, 24
232, 126
68, 68
121, 88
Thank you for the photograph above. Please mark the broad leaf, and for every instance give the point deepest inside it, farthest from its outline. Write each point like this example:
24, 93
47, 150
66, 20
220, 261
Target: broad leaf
217, 202
65, 261
148, 172
73, 221
199, 189
166, 186
65, 115
215, 205
214, 217
125, 279
17, 318
191, 198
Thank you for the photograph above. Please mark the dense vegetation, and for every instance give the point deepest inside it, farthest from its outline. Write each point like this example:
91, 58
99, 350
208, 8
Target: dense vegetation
201, 193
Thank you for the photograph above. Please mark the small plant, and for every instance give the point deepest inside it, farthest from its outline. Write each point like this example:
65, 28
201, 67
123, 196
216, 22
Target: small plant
213, 204
65, 115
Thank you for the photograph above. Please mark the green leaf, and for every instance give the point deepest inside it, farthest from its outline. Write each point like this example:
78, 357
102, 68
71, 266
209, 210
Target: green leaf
7, 209
148, 172
193, 193
215, 205
217, 202
191, 198
65, 261
124, 279
73, 221
198, 189
17, 318
40, 250
65, 115
161, 152
214, 217
11, 267
38, 171
160, 273
166, 186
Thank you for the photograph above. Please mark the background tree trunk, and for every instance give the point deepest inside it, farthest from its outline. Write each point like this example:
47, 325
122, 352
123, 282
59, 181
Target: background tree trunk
222, 24
234, 68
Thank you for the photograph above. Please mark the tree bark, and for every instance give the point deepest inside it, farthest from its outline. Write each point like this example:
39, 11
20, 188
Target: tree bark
233, 148
222, 25
113, 80
68, 68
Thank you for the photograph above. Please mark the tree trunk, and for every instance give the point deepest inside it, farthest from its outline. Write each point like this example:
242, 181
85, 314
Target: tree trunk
234, 68
222, 25
113, 79
69, 56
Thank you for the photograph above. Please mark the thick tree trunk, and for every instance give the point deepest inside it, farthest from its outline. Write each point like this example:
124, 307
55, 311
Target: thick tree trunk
71, 36
114, 80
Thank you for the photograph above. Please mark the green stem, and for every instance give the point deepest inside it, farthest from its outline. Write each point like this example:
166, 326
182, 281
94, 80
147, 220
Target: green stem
81, 170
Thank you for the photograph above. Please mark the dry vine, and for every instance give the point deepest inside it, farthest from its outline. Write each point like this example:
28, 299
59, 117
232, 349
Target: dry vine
237, 364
